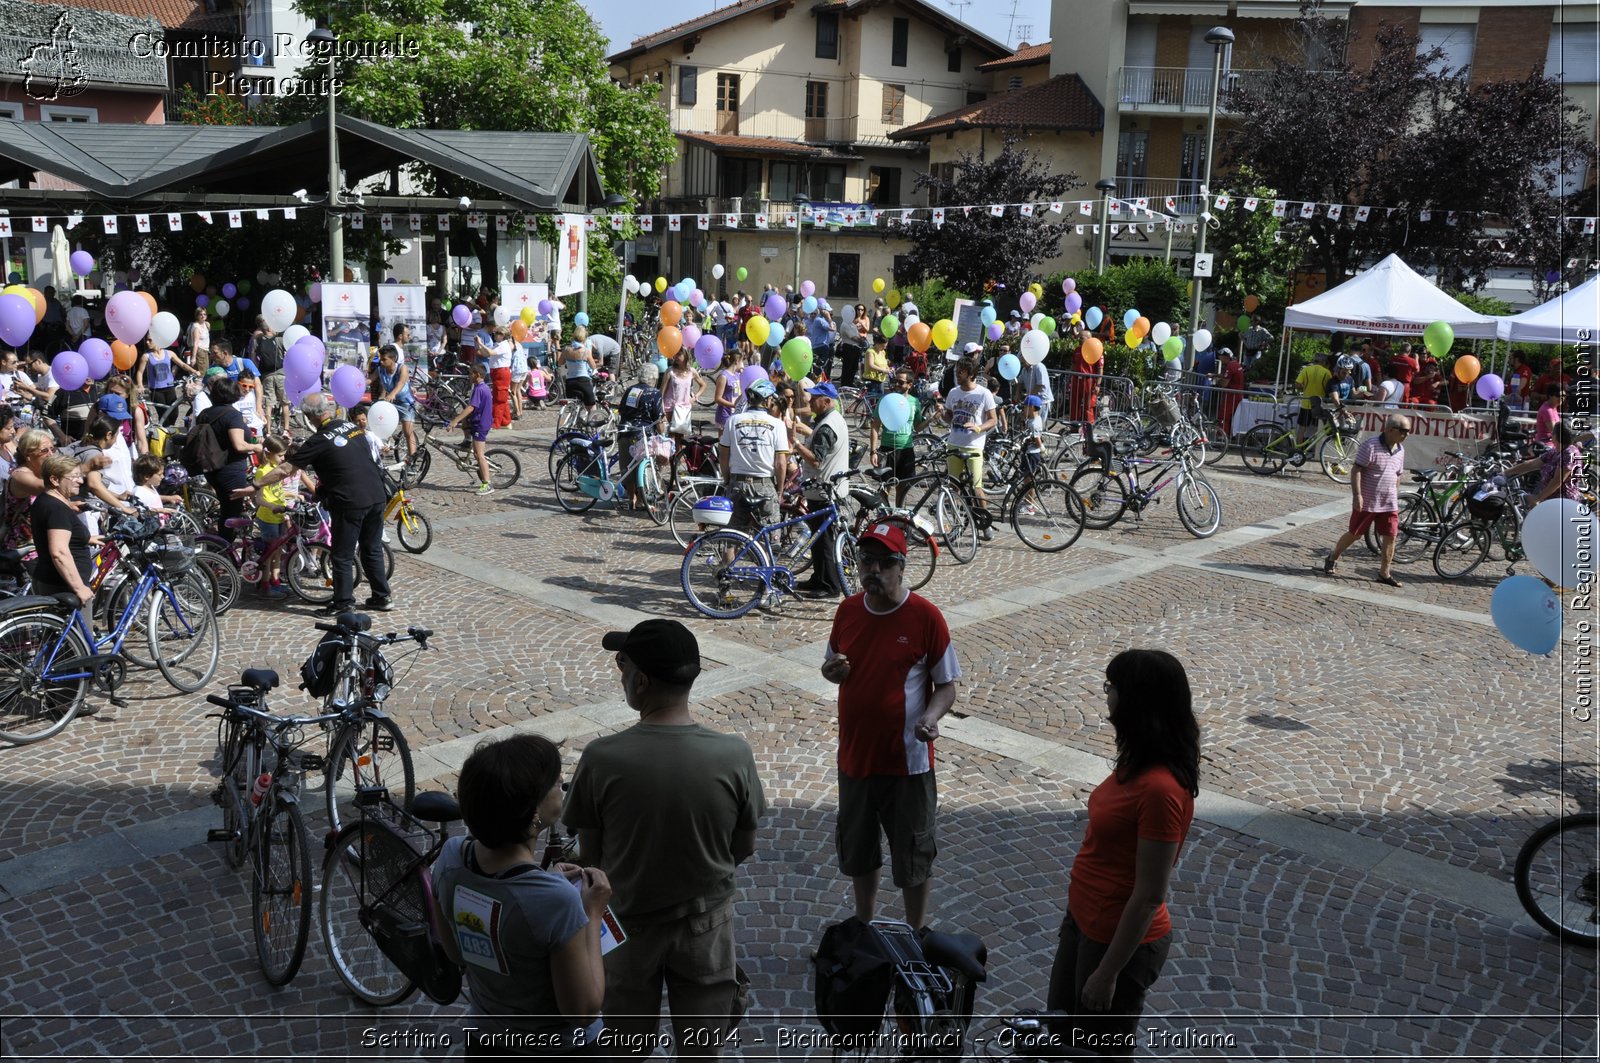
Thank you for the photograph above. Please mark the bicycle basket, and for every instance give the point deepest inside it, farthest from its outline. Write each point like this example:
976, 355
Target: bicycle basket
1486, 501
399, 920
1164, 409
169, 554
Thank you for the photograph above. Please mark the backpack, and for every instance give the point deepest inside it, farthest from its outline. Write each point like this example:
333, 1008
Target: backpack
851, 975
268, 354
202, 451
320, 671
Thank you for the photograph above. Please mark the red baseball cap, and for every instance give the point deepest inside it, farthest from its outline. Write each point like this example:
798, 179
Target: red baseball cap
888, 536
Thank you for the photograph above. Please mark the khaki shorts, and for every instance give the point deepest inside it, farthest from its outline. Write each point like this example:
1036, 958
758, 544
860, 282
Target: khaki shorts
755, 504
970, 462
273, 397
904, 807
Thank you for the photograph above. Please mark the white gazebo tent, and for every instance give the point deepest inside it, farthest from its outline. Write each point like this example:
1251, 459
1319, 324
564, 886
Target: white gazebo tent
1570, 318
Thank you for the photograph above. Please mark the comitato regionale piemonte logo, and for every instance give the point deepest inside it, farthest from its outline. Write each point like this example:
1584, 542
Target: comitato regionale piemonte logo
52, 68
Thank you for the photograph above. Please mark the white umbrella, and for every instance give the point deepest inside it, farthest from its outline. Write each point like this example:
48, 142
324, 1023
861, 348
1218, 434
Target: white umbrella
61, 252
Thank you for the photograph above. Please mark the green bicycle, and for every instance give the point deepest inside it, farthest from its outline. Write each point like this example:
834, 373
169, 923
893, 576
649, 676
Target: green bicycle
1267, 448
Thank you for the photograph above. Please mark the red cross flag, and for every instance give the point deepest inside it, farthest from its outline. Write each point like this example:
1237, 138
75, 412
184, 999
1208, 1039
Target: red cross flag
1278, 208
1362, 213
358, 221
1057, 207
175, 222
1027, 210
142, 222
5, 226
997, 209
1172, 202
761, 221
443, 222
674, 223
1223, 201
616, 223
291, 212
235, 219
732, 221
1308, 210
1588, 226
1336, 211
938, 216
502, 223
647, 223
205, 216
1085, 207
1141, 204
263, 215
41, 225
416, 223
110, 222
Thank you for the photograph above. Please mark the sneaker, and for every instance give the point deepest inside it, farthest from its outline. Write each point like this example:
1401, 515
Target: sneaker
484, 489
275, 592
387, 537
334, 609
378, 605
985, 536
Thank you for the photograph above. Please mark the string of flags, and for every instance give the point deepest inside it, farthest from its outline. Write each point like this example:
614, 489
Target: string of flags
1124, 214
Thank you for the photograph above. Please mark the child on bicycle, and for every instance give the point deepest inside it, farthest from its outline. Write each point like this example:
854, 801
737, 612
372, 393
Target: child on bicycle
148, 472
538, 386
272, 502
479, 416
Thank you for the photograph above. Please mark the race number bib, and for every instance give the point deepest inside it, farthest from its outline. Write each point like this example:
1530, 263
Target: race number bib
477, 920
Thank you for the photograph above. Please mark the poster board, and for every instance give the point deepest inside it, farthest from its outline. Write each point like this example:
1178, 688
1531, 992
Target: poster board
969, 324
347, 324
404, 304
572, 256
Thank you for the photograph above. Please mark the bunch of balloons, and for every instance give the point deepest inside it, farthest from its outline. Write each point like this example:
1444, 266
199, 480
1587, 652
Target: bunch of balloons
1559, 536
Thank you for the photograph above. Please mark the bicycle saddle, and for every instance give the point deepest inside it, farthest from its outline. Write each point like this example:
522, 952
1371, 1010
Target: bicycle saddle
435, 807
354, 622
238, 522
962, 952
259, 678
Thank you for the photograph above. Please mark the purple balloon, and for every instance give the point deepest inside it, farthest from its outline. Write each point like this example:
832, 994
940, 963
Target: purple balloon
461, 315
996, 330
808, 288
1074, 302
1490, 387
202, 300
348, 384
546, 307
242, 303
1069, 286
69, 370
313, 344
1550, 278
82, 263
230, 290
751, 374
1027, 302
303, 363
16, 320
708, 352
97, 354
697, 297
691, 336
775, 307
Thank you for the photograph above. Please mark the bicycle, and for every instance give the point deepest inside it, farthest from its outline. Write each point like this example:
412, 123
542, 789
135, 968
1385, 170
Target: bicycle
261, 765
304, 552
583, 475
504, 468
378, 916
1267, 448
680, 507
1493, 520
573, 413
411, 525
1106, 494
1558, 878
726, 572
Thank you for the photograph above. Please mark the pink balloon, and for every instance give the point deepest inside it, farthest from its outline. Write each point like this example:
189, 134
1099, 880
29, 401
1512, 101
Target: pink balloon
691, 336
316, 292
128, 316
1027, 302
1069, 286
807, 288
697, 297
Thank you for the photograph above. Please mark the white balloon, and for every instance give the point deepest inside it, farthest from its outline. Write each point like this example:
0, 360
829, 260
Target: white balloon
909, 320
383, 419
278, 307
502, 316
220, 308
1036, 318
1202, 340
294, 335
631, 283
1035, 345
1561, 537
717, 271
164, 328
1160, 333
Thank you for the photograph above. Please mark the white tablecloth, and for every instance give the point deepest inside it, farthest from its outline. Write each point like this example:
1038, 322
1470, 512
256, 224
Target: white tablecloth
1251, 412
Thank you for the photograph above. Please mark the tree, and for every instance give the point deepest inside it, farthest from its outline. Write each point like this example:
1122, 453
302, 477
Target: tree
1405, 135
1255, 254
516, 65
973, 250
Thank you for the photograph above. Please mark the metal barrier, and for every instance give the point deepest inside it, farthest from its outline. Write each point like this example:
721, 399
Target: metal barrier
1077, 395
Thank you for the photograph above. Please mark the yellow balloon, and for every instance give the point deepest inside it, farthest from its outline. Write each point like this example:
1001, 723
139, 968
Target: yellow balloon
944, 334
878, 286
529, 315
1037, 290
16, 289
661, 284
893, 298
757, 329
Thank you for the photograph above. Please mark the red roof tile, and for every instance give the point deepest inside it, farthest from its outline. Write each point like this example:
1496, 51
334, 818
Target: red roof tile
1027, 55
1062, 103
766, 145
190, 15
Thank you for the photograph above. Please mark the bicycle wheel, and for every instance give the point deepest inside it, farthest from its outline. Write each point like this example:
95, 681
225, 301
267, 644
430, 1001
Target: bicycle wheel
1199, 507
280, 891
183, 636
224, 576
845, 569
922, 550
953, 517
718, 574
358, 961
1461, 548
1103, 494
504, 468
1186, 437
136, 639
1261, 451
231, 791
651, 490
1049, 517
569, 495
309, 570
203, 505
571, 413
1216, 439
680, 517
413, 528
1337, 455
419, 463
1558, 877
1419, 530
32, 645
1117, 427
366, 752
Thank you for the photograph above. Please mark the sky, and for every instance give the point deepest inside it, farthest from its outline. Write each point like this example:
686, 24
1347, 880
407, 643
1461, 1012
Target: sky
623, 20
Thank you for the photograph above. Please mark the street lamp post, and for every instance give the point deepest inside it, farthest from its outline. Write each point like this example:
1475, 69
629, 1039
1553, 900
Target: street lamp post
1219, 37
800, 204
1105, 186
322, 40
611, 203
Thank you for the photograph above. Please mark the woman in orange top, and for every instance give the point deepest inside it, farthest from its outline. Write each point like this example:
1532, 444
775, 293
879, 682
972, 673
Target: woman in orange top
1116, 935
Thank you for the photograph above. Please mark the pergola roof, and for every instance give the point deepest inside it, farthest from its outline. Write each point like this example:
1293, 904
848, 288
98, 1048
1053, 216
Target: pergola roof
543, 172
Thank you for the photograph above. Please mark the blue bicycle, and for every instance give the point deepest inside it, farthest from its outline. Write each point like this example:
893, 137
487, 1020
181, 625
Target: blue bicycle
49, 653
585, 471
726, 573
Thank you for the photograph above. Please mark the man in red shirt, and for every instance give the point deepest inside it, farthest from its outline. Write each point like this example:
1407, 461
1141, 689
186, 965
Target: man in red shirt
891, 656
1405, 369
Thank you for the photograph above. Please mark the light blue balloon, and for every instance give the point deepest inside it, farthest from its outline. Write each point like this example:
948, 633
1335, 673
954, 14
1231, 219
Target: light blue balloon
1528, 613
1010, 366
894, 410
661, 363
988, 315
775, 338
809, 304
1092, 317
581, 319
684, 290
1129, 318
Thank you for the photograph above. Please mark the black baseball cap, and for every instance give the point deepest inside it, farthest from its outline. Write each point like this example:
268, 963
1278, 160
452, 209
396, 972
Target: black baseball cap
661, 649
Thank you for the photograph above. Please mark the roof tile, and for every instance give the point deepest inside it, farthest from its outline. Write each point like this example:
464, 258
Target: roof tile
1027, 55
1062, 103
189, 15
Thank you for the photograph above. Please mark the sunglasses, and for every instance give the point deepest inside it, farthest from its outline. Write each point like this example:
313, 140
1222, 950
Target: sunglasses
878, 561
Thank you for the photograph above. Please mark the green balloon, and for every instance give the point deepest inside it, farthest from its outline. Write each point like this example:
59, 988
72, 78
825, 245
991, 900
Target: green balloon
1244, 322
889, 326
1439, 337
796, 357
1048, 326
741, 273
244, 287
1173, 348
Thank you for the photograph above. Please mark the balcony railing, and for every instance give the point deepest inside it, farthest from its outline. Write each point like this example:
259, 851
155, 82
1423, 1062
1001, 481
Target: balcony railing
1156, 190
1179, 89
67, 73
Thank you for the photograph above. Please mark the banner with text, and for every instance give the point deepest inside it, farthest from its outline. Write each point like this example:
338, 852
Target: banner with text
347, 323
1433, 434
514, 297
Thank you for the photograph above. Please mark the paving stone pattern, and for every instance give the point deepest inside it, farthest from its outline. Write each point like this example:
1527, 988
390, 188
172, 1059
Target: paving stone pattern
1398, 717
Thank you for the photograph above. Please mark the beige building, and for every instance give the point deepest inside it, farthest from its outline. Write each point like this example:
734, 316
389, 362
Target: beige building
782, 109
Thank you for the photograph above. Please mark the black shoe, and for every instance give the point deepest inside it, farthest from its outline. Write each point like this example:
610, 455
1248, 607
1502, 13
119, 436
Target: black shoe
335, 608
378, 605
819, 592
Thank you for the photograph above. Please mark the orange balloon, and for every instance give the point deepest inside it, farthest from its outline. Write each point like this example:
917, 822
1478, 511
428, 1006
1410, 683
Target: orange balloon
1467, 368
920, 336
1141, 325
671, 313
1093, 350
1250, 304
150, 301
36, 297
669, 341
198, 282
519, 330
123, 355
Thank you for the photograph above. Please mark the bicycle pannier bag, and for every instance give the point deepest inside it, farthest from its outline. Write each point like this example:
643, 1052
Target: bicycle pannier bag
320, 671
202, 451
851, 974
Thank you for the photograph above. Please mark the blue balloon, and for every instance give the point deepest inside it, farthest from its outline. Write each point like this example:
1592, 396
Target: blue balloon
894, 411
1010, 366
809, 304
988, 315
581, 319
1093, 316
775, 338
1528, 613
1129, 318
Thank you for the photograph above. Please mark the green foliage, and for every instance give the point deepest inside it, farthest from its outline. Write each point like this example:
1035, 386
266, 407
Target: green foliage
1255, 254
191, 108
934, 299
1149, 285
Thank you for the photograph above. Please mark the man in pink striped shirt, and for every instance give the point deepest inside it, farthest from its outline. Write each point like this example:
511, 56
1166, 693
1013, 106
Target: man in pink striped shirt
1375, 495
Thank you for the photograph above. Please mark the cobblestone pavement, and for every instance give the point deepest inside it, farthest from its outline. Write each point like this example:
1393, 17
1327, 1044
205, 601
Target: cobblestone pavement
1374, 759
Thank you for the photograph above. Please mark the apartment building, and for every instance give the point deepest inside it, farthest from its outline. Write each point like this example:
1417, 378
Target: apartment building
782, 110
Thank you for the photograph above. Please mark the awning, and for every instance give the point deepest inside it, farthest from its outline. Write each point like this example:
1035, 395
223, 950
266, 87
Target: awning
1570, 318
1169, 7
1390, 299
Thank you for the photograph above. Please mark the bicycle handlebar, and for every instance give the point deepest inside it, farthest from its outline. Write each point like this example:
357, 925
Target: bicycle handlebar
419, 635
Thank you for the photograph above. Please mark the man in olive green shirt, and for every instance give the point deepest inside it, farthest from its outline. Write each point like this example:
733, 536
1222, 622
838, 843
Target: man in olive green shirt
896, 450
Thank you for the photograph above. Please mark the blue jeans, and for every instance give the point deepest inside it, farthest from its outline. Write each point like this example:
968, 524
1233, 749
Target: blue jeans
353, 528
